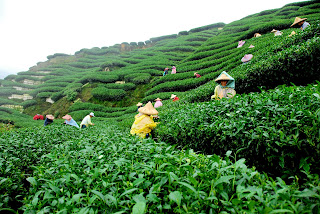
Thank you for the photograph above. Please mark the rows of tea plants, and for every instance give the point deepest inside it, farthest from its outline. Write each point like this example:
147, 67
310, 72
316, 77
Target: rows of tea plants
104, 170
276, 131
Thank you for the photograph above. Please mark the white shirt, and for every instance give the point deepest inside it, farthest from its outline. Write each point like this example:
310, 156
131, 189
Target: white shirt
86, 121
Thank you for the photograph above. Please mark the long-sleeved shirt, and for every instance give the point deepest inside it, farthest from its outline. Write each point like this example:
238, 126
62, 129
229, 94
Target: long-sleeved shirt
304, 25
86, 121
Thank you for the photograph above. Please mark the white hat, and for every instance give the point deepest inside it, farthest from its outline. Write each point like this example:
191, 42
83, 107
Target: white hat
91, 114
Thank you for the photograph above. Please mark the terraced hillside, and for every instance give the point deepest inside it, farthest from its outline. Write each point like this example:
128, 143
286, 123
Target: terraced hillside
97, 75
258, 152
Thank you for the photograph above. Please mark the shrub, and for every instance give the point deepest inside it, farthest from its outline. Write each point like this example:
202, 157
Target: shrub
125, 86
181, 33
44, 94
207, 27
57, 55
91, 78
28, 103
265, 128
102, 93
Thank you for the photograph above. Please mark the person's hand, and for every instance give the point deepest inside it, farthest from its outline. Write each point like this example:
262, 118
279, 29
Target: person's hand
93, 124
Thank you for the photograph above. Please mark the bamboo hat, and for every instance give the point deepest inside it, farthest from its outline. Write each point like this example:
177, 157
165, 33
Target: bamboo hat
148, 109
158, 99
139, 104
256, 35
298, 20
173, 96
222, 77
50, 116
246, 58
241, 43
292, 33
67, 117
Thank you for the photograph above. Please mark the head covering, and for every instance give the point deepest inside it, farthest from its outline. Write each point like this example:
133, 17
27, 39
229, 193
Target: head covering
91, 114
67, 117
139, 104
256, 35
246, 58
273, 31
298, 20
292, 33
195, 73
158, 99
148, 109
173, 96
173, 67
50, 116
225, 76
251, 46
241, 43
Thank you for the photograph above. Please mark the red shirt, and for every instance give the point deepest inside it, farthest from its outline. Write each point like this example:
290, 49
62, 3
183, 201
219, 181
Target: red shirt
198, 75
175, 99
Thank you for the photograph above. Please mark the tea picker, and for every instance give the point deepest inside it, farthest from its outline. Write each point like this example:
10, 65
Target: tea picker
143, 123
225, 87
87, 121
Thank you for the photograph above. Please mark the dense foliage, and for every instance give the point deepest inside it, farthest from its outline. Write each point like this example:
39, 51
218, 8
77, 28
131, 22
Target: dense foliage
103, 93
117, 173
275, 131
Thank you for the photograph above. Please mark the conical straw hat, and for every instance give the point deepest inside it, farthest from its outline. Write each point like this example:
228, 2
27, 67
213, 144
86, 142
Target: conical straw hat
50, 116
158, 99
256, 35
292, 33
148, 109
139, 104
222, 77
173, 96
246, 58
273, 31
297, 20
67, 117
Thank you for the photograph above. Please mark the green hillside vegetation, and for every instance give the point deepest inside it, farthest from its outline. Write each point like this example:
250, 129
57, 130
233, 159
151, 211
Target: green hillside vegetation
256, 153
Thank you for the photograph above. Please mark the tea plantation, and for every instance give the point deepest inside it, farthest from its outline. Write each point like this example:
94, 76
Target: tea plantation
258, 152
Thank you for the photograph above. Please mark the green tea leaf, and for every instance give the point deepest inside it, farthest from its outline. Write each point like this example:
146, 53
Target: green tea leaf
139, 208
176, 197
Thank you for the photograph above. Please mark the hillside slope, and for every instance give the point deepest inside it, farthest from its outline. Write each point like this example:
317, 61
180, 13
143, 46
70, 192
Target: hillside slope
97, 75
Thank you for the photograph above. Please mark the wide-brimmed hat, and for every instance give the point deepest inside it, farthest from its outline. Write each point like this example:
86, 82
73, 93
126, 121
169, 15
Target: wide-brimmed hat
158, 99
246, 58
91, 114
273, 31
222, 77
148, 109
67, 117
292, 33
50, 116
298, 20
139, 104
241, 43
256, 35
173, 96
195, 73
251, 46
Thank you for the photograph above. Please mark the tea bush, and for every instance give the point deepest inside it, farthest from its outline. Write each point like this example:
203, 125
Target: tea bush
103, 93
91, 78
273, 130
125, 86
114, 172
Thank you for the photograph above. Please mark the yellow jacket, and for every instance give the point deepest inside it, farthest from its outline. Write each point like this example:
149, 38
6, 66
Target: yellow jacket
142, 125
